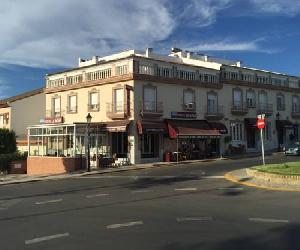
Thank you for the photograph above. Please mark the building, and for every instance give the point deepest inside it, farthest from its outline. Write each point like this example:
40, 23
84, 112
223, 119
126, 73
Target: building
20, 111
145, 104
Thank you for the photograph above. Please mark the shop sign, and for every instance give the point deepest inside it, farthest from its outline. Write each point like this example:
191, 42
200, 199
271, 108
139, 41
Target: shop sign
52, 120
153, 130
184, 115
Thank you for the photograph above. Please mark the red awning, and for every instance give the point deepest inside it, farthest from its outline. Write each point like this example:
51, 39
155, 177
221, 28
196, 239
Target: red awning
191, 129
150, 127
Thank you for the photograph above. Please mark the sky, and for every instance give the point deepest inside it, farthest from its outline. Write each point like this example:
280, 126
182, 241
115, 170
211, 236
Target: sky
45, 36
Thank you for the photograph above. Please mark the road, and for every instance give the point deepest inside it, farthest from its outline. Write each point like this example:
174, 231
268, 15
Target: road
168, 208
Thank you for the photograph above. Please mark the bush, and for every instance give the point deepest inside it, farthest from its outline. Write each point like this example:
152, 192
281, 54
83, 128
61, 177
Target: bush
6, 159
8, 142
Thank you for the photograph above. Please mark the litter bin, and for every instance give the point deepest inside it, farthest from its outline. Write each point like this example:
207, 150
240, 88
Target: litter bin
167, 156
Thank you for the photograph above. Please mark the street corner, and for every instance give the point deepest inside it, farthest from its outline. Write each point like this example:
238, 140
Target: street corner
242, 177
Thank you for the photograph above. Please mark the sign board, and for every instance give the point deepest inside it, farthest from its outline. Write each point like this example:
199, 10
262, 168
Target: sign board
52, 120
260, 123
184, 115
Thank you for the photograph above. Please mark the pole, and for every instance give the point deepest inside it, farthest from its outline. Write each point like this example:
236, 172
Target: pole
262, 146
177, 149
88, 149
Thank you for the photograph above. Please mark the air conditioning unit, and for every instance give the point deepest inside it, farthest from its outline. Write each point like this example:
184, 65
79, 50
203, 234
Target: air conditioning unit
189, 106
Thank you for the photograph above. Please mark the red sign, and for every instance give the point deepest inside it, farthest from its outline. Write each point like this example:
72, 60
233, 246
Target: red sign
52, 120
260, 123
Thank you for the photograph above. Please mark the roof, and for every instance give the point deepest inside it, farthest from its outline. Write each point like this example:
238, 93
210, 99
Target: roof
24, 95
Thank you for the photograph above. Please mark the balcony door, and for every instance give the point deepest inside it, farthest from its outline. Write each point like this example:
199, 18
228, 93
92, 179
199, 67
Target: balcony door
119, 100
150, 99
56, 108
263, 100
295, 103
237, 98
212, 103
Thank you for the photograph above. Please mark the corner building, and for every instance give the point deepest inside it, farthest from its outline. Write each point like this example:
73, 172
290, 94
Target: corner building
144, 104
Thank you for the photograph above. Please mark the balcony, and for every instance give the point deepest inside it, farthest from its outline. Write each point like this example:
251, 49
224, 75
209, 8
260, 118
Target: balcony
71, 109
151, 109
265, 108
239, 108
295, 112
215, 112
189, 106
93, 107
118, 111
53, 114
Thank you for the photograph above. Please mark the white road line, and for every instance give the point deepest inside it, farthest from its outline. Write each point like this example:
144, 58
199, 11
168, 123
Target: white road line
185, 189
141, 191
181, 219
128, 224
46, 202
213, 177
268, 220
50, 237
96, 195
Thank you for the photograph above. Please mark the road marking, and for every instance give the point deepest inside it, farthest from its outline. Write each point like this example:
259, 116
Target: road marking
213, 177
141, 191
128, 224
232, 188
181, 219
96, 195
50, 237
46, 202
185, 189
267, 220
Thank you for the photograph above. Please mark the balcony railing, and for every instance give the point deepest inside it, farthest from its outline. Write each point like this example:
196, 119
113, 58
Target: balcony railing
93, 107
151, 109
53, 113
265, 108
214, 112
71, 109
189, 106
295, 112
239, 108
119, 110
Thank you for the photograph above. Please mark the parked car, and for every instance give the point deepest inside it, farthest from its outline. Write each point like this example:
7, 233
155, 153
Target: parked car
292, 149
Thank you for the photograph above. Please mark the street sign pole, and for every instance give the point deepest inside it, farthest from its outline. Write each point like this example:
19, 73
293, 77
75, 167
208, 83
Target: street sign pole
262, 146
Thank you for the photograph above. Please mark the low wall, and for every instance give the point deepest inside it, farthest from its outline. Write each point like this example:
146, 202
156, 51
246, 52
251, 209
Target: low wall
275, 178
18, 167
53, 165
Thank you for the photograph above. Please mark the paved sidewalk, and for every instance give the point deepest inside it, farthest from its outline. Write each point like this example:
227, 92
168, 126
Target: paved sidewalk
22, 178
241, 177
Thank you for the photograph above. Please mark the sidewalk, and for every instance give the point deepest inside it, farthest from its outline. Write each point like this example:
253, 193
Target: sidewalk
22, 178
241, 177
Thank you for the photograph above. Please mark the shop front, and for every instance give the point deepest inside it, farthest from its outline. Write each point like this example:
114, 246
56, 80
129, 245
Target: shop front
251, 133
63, 147
192, 139
285, 132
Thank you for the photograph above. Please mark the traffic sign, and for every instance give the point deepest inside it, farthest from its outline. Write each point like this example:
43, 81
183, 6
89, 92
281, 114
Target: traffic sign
260, 123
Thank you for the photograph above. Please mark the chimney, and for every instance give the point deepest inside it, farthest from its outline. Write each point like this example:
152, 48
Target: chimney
149, 51
94, 59
239, 63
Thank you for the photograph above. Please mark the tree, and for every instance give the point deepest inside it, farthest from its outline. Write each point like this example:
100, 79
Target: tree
8, 142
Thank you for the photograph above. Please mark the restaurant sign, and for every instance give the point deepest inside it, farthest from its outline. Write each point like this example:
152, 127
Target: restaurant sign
52, 120
184, 115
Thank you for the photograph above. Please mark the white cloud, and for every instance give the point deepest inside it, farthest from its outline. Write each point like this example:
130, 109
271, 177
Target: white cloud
4, 88
279, 7
51, 32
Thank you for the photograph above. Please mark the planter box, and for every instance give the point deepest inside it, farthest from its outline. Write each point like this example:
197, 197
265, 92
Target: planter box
18, 167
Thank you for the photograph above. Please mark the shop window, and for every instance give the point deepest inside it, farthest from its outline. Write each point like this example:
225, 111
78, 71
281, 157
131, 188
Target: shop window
236, 130
150, 145
120, 144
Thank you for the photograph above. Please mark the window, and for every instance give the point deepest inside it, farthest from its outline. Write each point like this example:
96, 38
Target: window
268, 131
121, 70
93, 101
119, 100
72, 103
189, 99
146, 69
163, 72
236, 130
212, 101
150, 145
150, 99
237, 97
262, 99
295, 104
100, 74
280, 102
1, 120
251, 99
56, 109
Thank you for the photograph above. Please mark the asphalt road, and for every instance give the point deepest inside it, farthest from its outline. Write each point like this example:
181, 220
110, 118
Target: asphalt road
169, 208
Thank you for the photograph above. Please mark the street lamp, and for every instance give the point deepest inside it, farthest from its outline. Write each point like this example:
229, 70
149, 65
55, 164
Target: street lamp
88, 121
277, 128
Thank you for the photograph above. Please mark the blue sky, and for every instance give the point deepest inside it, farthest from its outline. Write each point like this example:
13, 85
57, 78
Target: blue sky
42, 36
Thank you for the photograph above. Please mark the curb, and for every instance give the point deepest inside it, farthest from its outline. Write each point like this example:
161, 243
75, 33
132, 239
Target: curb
230, 177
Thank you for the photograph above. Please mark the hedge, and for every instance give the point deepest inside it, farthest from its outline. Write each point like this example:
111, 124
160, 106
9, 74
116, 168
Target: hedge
6, 159
7, 141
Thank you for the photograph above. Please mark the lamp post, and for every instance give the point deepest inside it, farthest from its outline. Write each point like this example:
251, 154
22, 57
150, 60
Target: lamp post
277, 128
88, 121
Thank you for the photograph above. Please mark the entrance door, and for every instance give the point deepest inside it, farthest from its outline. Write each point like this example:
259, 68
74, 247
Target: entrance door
120, 144
251, 138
